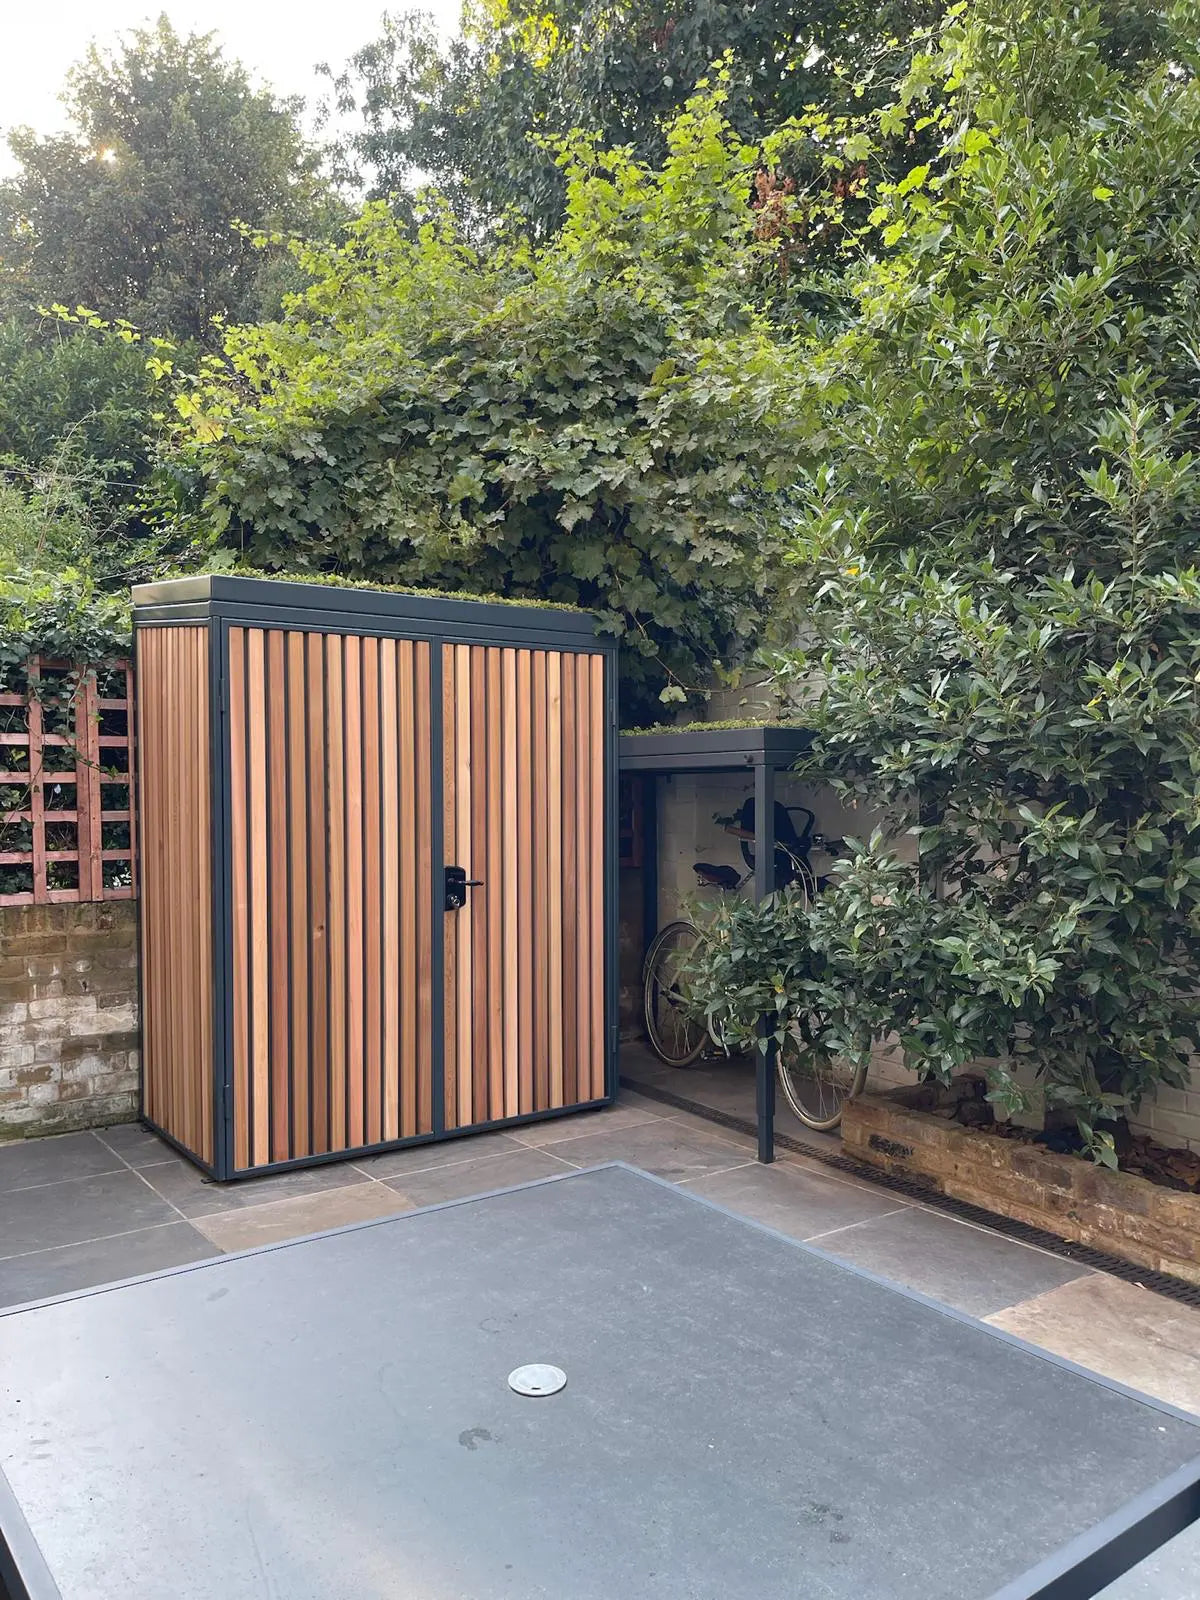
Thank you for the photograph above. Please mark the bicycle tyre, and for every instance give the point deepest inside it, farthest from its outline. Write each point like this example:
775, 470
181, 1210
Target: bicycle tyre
675, 1037
818, 1097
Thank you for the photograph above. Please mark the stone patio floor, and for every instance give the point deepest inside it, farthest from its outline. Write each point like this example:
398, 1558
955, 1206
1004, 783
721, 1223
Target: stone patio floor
90, 1208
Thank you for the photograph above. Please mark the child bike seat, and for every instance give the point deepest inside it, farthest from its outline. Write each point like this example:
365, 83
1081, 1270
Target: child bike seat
716, 877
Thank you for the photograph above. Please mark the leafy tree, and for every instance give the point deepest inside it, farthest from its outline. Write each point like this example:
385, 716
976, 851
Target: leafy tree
57, 588
77, 401
604, 421
132, 212
474, 115
999, 558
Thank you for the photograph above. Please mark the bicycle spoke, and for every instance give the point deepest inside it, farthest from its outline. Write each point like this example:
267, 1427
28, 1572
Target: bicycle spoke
817, 1087
673, 1033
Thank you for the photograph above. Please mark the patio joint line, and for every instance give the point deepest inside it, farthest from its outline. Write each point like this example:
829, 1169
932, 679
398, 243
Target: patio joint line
704, 1133
163, 1161
99, 1238
437, 1166
562, 1160
138, 1174
276, 1200
845, 1227
651, 1120
54, 1183
718, 1172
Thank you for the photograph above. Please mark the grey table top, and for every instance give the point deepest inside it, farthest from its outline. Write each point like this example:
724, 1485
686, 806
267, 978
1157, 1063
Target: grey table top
330, 1420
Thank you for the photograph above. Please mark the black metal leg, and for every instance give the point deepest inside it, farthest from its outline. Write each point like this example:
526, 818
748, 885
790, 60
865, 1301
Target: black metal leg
649, 860
764, 885
765, 1099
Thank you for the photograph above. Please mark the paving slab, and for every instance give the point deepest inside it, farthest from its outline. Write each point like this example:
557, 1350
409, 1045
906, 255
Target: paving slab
673, 1148
439, 1184
25, 1163
193, 1194
82, 1266
137, 1145
439, 1153
81, 1209
555, 1129
306, 1213
969, 1268
799, 1202
1128, 1333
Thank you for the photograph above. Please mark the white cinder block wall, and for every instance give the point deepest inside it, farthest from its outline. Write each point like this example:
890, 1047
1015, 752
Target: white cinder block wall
1172, 1116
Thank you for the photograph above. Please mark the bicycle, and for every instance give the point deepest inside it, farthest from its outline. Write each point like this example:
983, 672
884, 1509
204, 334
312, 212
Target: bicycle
815, 1090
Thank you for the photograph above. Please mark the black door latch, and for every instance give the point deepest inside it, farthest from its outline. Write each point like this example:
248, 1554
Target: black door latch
457, 884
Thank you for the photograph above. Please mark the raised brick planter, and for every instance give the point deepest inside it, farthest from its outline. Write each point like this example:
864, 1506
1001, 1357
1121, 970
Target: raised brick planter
1119, 1212
68, 1017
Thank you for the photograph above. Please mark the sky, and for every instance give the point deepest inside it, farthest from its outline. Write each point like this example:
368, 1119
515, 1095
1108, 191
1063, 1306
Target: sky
278, 40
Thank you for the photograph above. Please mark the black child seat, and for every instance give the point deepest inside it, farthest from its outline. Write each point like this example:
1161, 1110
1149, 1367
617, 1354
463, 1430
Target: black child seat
790, 847
713, 876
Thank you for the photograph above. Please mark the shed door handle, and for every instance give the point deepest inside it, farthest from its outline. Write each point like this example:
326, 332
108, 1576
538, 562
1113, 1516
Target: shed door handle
457, 884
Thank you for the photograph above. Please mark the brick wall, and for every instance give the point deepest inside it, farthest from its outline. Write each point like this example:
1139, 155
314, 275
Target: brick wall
68, 1017
1115, 1211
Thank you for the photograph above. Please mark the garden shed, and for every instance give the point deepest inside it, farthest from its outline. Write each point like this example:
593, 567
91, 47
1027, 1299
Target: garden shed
378, 846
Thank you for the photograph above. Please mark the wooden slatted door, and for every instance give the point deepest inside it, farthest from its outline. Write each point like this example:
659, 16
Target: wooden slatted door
523, 796
332, 909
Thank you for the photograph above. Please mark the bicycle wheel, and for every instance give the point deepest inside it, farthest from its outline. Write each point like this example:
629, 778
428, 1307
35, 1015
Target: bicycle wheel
675, 1036
817, 1089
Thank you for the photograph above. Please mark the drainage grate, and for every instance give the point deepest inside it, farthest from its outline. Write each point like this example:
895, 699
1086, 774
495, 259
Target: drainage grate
1187, 1294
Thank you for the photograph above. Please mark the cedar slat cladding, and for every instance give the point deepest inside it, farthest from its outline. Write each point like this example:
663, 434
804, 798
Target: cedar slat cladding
332, 892
176, 884
524, 811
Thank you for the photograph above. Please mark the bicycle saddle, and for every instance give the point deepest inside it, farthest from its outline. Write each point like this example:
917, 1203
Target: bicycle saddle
716, 877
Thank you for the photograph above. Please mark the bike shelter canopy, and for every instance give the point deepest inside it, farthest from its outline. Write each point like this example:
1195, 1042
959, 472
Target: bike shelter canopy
764, 749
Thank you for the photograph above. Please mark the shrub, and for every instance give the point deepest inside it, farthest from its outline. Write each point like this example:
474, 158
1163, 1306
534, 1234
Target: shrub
998, 556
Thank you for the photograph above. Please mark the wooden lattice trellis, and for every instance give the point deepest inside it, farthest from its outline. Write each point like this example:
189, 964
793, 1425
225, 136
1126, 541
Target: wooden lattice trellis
66, 754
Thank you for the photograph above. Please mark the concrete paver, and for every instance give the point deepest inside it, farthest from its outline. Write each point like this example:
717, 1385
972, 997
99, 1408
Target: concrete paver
1129, 1334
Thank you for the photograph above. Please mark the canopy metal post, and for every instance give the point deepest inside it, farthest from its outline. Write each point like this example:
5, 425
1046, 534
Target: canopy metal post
764, 885
649, 860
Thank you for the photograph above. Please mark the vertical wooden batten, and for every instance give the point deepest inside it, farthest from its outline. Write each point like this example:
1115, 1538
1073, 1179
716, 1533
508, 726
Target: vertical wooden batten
240, 882
356, 935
